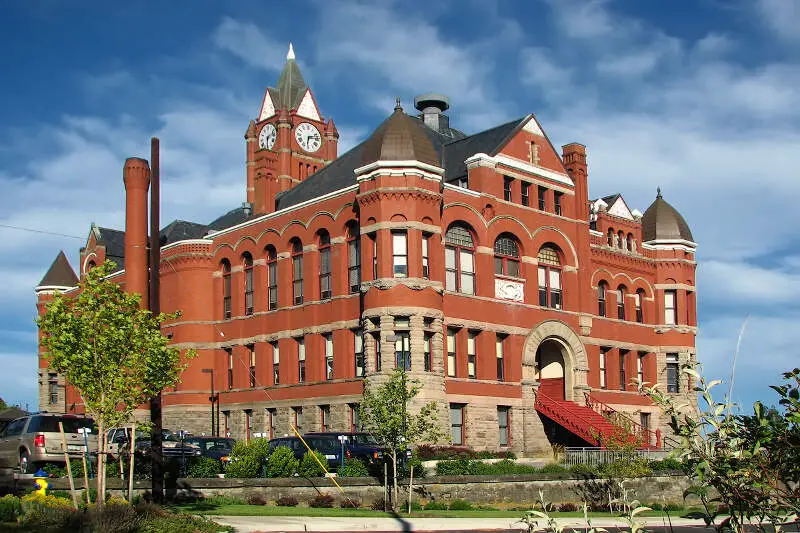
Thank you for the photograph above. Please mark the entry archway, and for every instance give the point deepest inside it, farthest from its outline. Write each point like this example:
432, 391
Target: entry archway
556, 337
550, 368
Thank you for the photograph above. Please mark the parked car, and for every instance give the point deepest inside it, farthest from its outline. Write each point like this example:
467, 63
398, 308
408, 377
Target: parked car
118, 439
215, 447
293, 443
33, 440
358, 445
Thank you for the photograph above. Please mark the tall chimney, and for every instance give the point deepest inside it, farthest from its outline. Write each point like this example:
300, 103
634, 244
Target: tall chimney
136, 176
433, 107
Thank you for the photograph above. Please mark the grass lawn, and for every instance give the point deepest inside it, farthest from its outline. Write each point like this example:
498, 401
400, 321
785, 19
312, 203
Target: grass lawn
266, 510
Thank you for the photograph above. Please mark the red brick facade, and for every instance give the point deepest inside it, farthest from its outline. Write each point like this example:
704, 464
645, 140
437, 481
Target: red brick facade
487, 300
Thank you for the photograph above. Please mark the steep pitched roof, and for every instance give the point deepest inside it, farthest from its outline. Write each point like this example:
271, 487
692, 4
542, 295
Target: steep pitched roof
291, 85
60, 273
487, 142
181, 230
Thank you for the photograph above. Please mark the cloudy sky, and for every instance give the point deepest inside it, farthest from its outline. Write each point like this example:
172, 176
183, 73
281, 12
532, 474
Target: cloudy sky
699, 97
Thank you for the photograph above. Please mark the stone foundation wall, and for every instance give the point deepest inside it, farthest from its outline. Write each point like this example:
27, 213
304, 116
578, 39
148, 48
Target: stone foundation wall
504, 491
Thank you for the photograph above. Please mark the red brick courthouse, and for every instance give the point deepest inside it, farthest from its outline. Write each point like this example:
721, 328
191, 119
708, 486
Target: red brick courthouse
478, 262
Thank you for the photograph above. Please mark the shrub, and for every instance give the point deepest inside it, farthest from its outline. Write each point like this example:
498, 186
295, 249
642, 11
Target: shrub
378, 504
355, 468
309, 467
415, 506
255, 499
568, 507
655, 506
204, 467
180, 523
427, 452
347, 503
282, 463
244, 466
460, 505
458, 467
672, 507
116, 517
419, 469
666, 464
506, 467
435, 506
286, 501
582, 469
10, 508
114, 500
321, 500
552, 468
625, 468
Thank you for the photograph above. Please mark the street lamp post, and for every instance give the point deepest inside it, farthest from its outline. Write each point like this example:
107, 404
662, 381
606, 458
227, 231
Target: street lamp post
211, 399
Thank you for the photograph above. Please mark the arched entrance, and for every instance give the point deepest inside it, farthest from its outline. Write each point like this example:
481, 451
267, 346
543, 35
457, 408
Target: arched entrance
550, 369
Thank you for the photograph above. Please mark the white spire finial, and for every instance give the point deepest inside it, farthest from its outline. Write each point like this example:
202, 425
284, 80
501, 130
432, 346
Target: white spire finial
290, 54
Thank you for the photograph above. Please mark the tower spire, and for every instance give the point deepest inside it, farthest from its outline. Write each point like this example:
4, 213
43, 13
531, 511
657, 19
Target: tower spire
290, 53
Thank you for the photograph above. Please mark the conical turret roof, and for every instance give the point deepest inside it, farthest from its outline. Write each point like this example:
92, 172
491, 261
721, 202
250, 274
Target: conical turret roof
400, 138
60, 273
291, 85
661, 221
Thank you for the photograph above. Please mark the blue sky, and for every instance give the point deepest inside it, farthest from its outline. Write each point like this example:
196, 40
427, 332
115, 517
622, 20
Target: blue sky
699, 97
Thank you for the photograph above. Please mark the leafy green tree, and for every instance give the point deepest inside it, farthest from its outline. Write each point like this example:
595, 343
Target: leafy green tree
112, 352
386, 414
751, 461
3, 404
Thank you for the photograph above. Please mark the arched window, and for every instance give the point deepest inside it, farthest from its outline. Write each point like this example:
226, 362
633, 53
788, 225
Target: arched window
549, 277
297, 271
621, 240
610, 237
226, 289
506, 256
630, 242
272, 278
247, 263
324, 265
621, 290
459, 262
354, 257
602, 287
639, 298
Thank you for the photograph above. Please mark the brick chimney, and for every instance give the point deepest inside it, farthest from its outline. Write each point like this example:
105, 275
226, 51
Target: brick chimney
136, 176
574, 158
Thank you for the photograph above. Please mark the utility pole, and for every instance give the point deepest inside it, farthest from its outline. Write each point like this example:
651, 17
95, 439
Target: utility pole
156, 455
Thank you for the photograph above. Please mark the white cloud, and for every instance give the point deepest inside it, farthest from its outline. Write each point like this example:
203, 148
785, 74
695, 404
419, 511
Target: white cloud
744, 283
584, 20
247, 42
781, 17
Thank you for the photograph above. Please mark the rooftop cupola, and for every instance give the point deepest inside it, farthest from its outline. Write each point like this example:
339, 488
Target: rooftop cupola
662, 222
399, 138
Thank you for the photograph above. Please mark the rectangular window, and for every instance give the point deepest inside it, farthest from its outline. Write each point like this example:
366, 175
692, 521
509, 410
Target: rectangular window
402, 350
298, 418
325, 291
670, 307
52, 388
276, 363
542, 275
252, 349
426, 348
623, 377
226, 416
526, 194
355, 422
472, 341
272, 289
374, 240
557, 202
644, 420
451, 270
328, 356
507, 188
463, 182
640, 366
248, 289
467, 264
399, 254
226, 294
499, 352
457, 423
273, 420
358, 348
297, 279
229, 352
354, 264
301, 359
503, 416
248, 424
425, 259
377, 340
542, 192
324, 417
638, 302
673, 383
451, 353
603, 371
621, 304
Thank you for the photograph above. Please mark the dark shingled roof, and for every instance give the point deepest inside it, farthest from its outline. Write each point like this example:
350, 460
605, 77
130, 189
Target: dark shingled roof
610, 199
399, 138
450, 153
661, 221
114, 241
231, 218
291, 85
60, 273
181, 230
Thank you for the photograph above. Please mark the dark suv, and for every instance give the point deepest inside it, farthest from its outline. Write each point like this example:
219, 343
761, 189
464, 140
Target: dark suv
358, 445
33, 440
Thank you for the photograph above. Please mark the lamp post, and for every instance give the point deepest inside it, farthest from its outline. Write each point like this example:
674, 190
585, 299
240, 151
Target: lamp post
211, 398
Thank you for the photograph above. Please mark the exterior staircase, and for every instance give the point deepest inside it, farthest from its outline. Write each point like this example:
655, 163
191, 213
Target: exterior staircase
593, 422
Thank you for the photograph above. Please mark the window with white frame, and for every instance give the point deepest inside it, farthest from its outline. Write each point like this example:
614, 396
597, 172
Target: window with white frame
451, 352
602, 289
499, 352
276, 363
603, 372
358, 348
457, 423
425, 258
623, 375
324, 417
472, 341
354, 257
325, 290
640, 367
503, 424
506, 256
252, 351
298, 418
399, 254
229, 352
272, 278
673, 377
670, 307
297, 271
549, 271
459, 260
301, 359
638, 298
226, 289
328, 355
273, 421
247, 263
621, 302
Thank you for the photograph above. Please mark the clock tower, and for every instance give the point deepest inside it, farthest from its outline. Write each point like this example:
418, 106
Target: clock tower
288, 141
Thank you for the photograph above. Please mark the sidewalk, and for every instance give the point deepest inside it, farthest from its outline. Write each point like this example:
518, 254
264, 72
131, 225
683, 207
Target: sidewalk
251, 524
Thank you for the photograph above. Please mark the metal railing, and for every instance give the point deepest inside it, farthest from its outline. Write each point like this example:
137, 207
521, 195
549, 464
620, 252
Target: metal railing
599, 456
646, 436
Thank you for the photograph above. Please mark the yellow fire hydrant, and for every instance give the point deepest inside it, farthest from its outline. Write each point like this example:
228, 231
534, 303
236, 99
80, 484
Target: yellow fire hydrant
40, 482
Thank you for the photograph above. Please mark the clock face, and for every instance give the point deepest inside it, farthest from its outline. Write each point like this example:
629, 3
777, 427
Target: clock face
308, 137
266, 139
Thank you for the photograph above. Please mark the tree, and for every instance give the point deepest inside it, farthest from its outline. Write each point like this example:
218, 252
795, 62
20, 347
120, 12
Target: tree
112, 352
3, 404
385, 413
751, 461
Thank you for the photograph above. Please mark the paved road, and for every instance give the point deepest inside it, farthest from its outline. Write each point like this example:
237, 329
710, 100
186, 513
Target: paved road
253, 524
